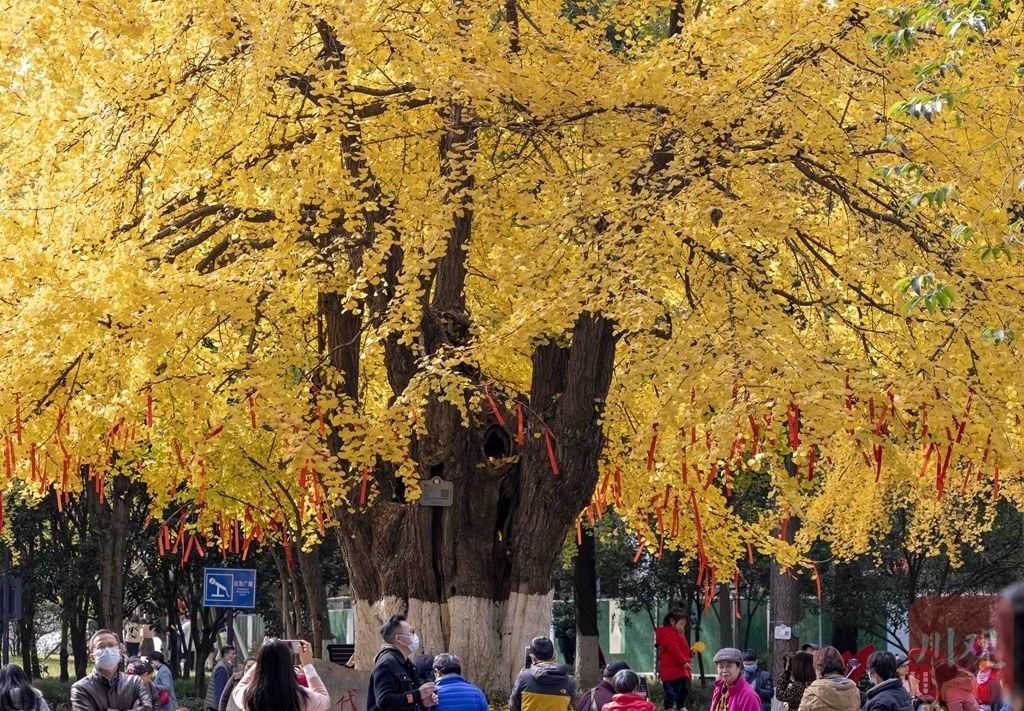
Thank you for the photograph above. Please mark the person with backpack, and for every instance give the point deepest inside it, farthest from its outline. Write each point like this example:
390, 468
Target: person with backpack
596, 698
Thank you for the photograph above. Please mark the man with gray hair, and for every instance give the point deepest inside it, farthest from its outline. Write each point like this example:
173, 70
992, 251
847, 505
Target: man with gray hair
454, 693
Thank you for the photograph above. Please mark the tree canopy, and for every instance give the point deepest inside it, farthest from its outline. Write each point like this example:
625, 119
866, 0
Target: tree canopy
245, 244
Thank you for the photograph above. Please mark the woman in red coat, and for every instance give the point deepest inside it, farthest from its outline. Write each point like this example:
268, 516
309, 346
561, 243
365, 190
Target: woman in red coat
673, 659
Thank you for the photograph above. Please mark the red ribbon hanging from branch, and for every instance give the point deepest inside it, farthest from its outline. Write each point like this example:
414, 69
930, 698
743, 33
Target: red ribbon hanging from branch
17, 419
363, 485
653, 447
494, 406
551, 451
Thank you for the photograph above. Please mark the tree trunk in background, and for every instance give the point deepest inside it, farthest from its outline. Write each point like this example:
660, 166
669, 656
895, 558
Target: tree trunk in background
109, 526
846, 597
695, 625
784, 609
725, 616
27, 634
584, 568
315, 598
65, 675
79, 638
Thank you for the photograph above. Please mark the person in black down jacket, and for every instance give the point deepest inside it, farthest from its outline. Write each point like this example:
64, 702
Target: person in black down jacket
394, 684
888, 693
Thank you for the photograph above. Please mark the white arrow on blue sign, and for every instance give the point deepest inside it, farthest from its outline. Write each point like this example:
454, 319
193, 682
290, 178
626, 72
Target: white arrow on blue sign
229, 587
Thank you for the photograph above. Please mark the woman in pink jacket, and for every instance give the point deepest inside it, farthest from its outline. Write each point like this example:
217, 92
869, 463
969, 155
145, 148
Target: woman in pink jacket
956, 687
271, 685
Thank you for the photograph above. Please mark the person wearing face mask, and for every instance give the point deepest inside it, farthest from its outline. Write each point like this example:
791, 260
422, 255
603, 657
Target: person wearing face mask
887, 692
394, 683
163, 684
219, 677
758, 678
106, 689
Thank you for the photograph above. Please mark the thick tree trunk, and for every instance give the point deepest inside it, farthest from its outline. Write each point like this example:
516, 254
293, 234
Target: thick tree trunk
588, 643
476, 577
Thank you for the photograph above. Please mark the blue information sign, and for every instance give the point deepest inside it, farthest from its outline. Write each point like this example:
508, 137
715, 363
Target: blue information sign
229, 587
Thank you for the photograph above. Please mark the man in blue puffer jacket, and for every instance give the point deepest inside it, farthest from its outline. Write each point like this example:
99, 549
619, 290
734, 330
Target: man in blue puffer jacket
454, 693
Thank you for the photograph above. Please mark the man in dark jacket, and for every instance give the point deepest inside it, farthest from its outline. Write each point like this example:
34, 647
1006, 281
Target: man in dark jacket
236, 677
758, 678
454, 693
544, 685
888, 693
219, 677
107, 689
596, 698
394, 683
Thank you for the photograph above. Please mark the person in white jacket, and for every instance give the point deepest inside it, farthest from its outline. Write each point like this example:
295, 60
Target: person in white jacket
271, 684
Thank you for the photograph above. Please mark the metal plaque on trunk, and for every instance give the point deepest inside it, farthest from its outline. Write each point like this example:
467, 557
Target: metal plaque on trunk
436, 492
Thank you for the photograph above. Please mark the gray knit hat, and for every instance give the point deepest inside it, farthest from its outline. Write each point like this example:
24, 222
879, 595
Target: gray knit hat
729, 654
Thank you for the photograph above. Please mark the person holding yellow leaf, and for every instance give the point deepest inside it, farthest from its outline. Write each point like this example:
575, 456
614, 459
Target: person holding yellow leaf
674, 656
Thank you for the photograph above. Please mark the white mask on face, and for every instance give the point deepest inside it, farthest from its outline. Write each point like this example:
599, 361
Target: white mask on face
108, 658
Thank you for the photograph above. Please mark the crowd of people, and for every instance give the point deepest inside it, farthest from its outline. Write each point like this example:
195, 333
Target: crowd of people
281, 677
820, 680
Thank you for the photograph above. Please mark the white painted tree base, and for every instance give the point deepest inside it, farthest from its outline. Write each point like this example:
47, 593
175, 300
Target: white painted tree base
489, 636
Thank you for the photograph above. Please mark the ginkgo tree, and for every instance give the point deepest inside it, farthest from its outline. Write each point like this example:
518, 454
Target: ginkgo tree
286, 262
